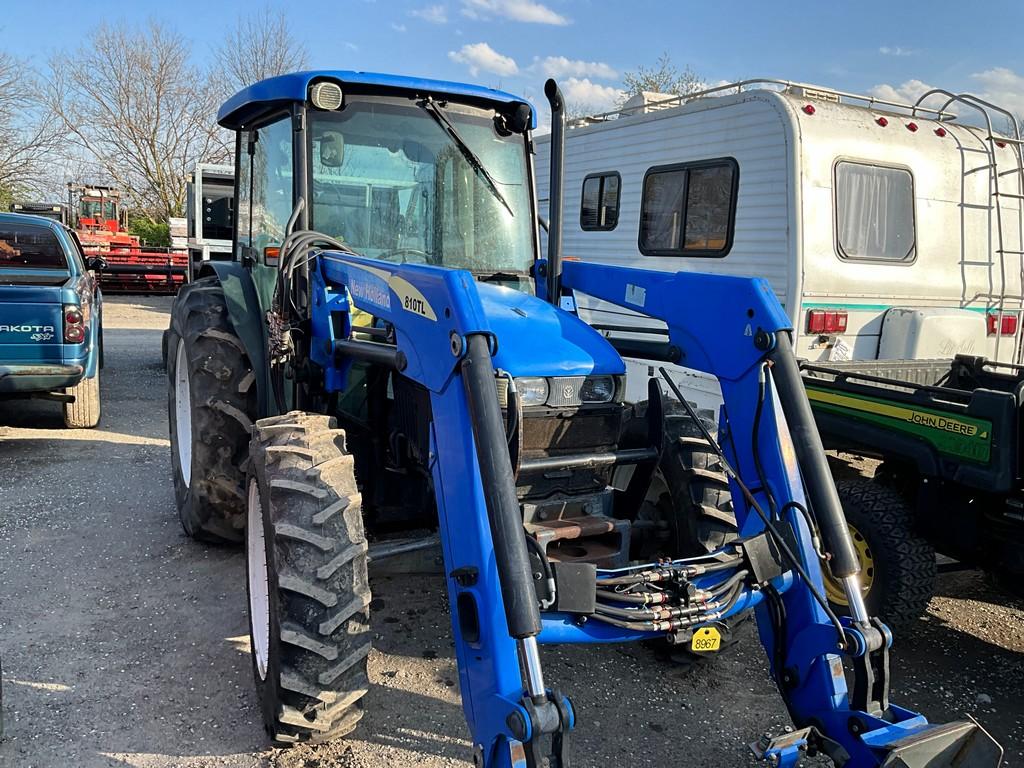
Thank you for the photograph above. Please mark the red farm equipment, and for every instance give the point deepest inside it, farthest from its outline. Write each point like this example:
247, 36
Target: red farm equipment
101, 224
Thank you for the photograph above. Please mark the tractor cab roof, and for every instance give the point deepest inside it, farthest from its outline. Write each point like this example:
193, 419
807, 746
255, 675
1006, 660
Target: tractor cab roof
252, 102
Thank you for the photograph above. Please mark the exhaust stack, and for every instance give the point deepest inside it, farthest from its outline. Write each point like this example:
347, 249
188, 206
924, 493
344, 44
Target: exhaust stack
554, 96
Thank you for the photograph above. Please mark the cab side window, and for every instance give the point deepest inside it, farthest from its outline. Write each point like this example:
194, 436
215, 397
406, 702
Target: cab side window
265, 190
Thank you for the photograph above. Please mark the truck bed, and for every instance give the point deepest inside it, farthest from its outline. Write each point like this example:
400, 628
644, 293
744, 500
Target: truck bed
956, 419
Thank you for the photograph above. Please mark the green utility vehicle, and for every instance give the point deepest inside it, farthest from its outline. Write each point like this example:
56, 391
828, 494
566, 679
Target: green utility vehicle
948, 434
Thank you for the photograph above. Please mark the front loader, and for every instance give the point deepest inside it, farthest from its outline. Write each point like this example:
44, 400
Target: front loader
388, 351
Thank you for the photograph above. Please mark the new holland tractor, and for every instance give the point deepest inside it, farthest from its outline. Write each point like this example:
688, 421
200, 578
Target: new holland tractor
389, 351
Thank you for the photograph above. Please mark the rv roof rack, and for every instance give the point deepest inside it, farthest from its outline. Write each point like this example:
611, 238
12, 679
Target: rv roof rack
766, 83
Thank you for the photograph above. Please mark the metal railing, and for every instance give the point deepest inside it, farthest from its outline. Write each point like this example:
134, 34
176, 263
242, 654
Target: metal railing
765, 83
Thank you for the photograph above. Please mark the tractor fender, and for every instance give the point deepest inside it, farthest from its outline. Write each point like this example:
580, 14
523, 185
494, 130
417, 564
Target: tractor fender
245, 312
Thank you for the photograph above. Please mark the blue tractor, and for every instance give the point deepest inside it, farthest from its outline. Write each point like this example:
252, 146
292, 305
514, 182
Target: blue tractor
388, 350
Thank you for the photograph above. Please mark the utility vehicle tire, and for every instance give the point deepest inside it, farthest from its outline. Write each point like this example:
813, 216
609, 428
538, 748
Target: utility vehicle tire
211, 401
84, 412
897, 566
307, 583
694, 499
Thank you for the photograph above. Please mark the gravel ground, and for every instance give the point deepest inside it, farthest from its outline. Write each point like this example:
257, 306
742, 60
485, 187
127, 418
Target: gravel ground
125, 644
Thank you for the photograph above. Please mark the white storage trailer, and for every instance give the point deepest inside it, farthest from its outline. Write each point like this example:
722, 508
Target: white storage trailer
210, 212
887, 230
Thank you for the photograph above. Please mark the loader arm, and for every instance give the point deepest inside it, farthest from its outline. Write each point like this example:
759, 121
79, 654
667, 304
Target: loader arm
733, 328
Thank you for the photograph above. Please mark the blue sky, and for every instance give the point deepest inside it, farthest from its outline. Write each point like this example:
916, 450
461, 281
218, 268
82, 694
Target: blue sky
893, 47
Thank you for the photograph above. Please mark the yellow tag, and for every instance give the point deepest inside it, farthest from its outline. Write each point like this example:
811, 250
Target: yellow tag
706, 640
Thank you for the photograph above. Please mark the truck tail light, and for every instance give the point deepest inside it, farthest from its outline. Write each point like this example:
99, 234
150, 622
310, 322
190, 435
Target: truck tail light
74, 325
1004, 324
826, 321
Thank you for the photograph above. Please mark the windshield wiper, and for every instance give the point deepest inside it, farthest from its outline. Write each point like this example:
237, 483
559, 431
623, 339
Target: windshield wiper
432, 109
499, 276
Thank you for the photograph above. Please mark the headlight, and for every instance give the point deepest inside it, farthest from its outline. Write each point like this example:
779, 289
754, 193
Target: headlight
598, 389
532, 391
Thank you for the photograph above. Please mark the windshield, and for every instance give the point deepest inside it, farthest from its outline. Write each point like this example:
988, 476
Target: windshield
392, 183
97, 209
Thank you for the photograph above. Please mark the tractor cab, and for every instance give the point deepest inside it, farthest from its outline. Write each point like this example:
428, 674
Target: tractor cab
97, 208
397, 169
403, 171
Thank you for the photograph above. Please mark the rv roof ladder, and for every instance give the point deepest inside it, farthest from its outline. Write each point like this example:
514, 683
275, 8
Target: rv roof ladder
995, 302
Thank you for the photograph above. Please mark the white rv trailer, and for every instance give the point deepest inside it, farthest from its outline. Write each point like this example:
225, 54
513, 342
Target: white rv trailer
210, 213
887, 230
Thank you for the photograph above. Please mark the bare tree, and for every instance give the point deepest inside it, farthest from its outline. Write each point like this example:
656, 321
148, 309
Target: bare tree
260, 46
663, 77
131, 100
29, 135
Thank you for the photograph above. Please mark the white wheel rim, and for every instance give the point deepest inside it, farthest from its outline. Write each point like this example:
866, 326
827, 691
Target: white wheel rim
183, 413
259, 588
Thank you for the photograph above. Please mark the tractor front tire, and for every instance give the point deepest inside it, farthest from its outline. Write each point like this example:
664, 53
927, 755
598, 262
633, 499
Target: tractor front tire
306, 565
211, 402
690, 496
701, 515
84, 412
897, 566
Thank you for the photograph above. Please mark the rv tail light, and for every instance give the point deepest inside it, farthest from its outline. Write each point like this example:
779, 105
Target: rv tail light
882, 122
1005, 324
74, 325
940, 132
809, 109
912, 127
1001, 144
822, 321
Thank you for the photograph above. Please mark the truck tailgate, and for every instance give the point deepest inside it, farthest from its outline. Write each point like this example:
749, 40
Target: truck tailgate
30, 324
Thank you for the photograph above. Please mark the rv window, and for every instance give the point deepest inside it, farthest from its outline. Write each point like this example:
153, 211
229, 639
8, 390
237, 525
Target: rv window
689, 210
599, 208
874, 212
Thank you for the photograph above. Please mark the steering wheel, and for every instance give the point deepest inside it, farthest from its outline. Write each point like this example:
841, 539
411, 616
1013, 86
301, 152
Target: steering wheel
403, 253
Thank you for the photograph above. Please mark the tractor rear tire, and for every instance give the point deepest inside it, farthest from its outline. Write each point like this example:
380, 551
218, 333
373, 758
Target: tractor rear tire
211, 403
898, 566
306, 565
84, 412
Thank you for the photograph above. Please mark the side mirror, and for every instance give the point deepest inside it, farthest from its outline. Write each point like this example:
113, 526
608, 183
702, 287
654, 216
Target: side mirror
95, 263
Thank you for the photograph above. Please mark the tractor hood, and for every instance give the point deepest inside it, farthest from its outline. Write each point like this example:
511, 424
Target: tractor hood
536, 339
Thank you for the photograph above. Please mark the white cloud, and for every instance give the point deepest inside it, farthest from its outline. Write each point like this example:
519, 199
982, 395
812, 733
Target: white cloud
1003, 87
435, 14
528, 11
906, 93
481, 57
583, 93
887, 50
560, 66
998, 85
398, 27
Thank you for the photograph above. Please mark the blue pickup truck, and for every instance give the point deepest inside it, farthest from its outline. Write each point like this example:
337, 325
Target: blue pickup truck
51, 334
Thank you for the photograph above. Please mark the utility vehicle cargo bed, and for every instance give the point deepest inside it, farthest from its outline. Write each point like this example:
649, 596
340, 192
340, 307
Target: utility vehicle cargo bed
956, 419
